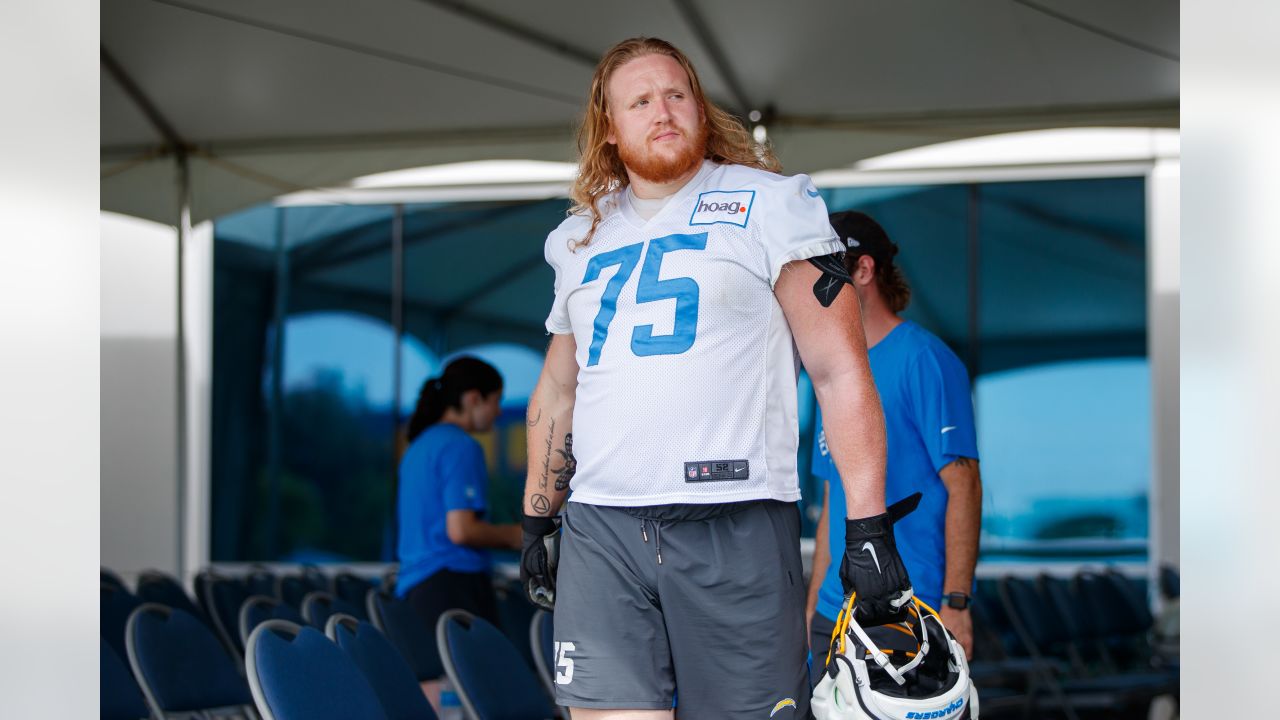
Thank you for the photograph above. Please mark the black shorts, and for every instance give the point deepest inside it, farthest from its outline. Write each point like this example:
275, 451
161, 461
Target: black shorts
446, 590
717, 626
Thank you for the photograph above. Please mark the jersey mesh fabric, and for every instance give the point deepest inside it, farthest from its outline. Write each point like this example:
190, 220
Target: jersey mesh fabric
725, 394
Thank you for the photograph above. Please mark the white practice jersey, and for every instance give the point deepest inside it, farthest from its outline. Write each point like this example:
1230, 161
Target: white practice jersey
686, 365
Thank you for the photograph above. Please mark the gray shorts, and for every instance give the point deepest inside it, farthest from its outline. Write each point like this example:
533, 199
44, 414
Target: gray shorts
716, 626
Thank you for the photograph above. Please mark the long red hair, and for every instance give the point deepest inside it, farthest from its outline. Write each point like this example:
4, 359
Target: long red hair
600, 169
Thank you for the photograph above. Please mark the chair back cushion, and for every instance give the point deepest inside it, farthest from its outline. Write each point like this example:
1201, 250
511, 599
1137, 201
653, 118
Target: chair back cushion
157, 587
180, 663
384, 667
488, 671
402, 626
118, 697
297, 674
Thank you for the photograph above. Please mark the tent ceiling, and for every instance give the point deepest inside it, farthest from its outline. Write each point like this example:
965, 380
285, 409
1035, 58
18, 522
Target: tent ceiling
274, 97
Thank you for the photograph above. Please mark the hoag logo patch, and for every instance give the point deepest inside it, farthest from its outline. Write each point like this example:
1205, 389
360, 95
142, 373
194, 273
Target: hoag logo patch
723, 206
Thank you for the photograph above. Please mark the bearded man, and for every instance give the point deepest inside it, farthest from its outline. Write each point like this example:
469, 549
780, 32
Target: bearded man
688, 274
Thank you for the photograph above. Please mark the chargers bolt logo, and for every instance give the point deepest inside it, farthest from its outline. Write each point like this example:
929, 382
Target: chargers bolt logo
783, 703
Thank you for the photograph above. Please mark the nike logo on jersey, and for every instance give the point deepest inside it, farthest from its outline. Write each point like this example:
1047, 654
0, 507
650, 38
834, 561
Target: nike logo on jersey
948, 429
811, 192
867, 546
732, 207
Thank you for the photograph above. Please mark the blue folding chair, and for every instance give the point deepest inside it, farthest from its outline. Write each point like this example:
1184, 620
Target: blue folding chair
318, 606
110, 578
295, 673
118, 696
400, 623
383, 666
492, 680
181, 666
541, 641
158, 587
293, 588
353, 589
515, 614
1170, 582
114, 605
201, 584
259, 609
542, 644
260, 581
223, 598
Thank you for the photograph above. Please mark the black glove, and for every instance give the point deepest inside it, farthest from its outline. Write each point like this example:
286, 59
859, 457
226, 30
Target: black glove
538, 559
873, 568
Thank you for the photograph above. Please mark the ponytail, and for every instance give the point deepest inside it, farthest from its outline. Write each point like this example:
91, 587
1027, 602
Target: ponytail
440, 393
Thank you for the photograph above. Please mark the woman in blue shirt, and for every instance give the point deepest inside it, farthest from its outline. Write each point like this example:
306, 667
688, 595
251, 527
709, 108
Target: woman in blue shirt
442, 496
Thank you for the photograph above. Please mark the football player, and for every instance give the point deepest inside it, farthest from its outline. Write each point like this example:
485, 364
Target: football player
687, 276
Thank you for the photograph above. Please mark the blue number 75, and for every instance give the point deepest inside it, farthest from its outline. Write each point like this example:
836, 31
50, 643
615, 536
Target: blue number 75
650, 289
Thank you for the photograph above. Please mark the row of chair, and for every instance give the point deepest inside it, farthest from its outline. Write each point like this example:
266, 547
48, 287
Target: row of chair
1048, 645
215, 662
1069, 646
351, 670
226, 606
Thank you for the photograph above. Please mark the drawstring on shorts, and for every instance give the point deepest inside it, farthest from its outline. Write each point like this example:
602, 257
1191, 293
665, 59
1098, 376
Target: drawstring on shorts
657, 535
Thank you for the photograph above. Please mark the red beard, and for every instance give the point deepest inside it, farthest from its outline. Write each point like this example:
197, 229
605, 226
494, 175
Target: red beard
664, 167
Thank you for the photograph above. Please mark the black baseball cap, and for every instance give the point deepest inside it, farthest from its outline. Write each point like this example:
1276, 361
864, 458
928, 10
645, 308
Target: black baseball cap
862, 235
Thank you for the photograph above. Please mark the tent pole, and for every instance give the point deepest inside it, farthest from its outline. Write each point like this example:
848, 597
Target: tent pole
397, 307
973, 353
397, 368
180, 363
275, 417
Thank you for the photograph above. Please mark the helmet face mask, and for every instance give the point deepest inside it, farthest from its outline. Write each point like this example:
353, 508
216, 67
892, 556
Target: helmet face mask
905, 671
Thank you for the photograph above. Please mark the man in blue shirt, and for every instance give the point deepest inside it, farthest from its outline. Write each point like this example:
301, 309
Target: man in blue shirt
932, 447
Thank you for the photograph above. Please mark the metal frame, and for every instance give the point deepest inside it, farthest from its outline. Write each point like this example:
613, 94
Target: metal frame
251, 663
374, 610
242, 617
173, 142
144, 683
310, 600
446, 658
215, 617
339, 619
545, 674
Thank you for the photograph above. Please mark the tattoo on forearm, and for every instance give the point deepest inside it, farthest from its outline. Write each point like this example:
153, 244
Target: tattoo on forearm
540, 504
565, 472
546, 458
965, 462
833, 279
536, 420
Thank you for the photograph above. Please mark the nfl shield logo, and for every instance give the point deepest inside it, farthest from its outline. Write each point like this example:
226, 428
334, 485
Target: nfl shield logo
693, 472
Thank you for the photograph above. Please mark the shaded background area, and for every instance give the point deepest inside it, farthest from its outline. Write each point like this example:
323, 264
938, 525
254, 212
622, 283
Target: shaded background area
256, 99
328, 318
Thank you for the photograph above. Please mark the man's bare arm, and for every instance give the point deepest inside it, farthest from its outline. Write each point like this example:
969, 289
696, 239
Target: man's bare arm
821, 554
963, 525
550, 430
464, 527
834, 350
963, 522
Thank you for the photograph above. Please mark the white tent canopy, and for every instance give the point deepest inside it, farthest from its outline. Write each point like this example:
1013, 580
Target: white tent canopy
259, 99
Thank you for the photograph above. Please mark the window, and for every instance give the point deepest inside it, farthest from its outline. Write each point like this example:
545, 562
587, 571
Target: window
308, 397
1040, 288
1066, 451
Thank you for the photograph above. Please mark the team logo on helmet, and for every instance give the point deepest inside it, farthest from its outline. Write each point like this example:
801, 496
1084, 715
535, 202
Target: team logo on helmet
783, 703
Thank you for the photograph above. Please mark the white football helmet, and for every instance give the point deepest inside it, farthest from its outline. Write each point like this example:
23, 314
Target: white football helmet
909, 670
